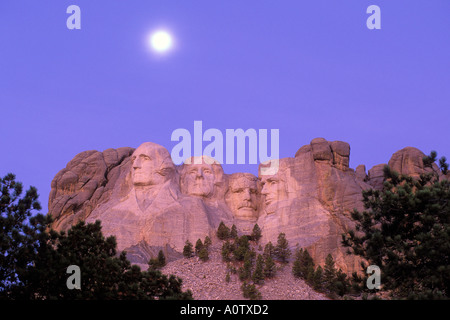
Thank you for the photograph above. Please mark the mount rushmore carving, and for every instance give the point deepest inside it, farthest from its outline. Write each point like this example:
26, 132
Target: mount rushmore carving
149, 204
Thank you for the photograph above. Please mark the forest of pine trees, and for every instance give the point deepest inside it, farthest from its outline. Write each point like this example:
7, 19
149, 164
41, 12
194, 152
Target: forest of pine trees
327, 279
201, 249
34, 258
246, 258
252, 264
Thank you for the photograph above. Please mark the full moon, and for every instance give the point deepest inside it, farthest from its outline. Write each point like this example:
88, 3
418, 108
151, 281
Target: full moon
161, 41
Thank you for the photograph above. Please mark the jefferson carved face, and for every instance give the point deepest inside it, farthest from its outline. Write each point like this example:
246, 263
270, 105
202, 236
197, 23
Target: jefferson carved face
274, 190
199, 180
198, 177
242, 196
151, 165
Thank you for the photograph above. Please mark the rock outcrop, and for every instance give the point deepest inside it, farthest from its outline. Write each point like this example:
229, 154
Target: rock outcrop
86, 182
408, 161
149, 204
310, 200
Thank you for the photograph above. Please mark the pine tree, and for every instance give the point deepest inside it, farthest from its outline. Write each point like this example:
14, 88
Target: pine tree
187, 250
223, 232
245, 271
357, 283
153, 264
258, 274
282, 251
231, 268
310, 276
158, 262
17, 237
341, 284
309, 267
207, 242
269, 267
233, 232
303, 266
198, 246
203, 254
404, 231
256, 233
242, 246
161, 259
317, 281
269, 249
329, 274
297, 270
250, 291
227, 250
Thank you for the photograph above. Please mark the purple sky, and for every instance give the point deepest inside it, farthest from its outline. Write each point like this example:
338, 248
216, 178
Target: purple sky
308, 68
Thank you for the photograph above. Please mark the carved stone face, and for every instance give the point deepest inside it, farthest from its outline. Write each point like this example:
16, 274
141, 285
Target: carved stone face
198, 177
274, 190
242, 196
199, 180
151, 165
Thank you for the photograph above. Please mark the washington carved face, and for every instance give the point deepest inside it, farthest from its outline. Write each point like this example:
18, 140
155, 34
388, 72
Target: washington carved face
274, 191
242, 196
151, 165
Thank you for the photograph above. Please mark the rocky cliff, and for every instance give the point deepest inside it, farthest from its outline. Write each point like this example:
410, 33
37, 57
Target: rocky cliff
149, 204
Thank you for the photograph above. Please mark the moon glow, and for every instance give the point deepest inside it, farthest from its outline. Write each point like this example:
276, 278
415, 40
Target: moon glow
161, 41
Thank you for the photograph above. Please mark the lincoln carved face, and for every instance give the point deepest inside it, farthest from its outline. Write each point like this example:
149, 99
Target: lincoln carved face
242, 196
151, 165
274, 190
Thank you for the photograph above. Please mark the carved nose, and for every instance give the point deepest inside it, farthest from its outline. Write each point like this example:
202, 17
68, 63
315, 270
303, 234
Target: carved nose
137, 163
264, 190
199, 174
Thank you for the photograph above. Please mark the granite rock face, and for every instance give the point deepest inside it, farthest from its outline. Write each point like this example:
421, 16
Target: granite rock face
150, 204
375, 176
310, 200
85, 183
409, 161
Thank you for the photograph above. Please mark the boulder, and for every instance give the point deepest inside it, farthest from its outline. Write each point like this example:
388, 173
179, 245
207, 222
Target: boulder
360, 172
321, 150
375, 176
409, 161
341, 154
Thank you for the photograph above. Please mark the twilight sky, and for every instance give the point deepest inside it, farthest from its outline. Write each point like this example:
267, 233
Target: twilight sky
308, 68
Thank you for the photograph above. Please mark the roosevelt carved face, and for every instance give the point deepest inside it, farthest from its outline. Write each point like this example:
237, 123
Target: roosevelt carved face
242, 196
274, 191
198, 177
151, 165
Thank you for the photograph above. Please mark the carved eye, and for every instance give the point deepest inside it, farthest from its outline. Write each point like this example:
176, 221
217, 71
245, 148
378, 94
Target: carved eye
165, 171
